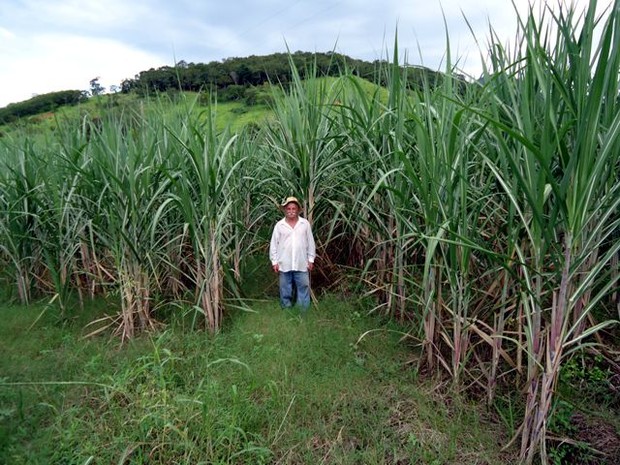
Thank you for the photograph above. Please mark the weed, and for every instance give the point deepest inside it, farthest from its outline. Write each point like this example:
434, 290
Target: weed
271, 387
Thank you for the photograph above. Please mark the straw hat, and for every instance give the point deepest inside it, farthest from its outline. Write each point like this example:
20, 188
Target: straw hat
291, 200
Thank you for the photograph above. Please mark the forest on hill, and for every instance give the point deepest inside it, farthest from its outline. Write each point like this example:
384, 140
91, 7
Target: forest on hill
230, 79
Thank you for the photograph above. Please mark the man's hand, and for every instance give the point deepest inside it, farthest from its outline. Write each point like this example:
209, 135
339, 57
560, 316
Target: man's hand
310, 266
276, 268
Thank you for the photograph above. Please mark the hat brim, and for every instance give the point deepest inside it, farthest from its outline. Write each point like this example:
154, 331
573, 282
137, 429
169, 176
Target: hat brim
283, 206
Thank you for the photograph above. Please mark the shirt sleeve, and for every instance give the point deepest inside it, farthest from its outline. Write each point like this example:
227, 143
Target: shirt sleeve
311, 252
273, 246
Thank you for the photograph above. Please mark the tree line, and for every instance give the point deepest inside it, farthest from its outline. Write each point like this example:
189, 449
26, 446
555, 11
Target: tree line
227, 76
231, 79
41, 104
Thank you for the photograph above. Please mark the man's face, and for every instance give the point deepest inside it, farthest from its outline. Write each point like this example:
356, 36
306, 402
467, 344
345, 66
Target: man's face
291, 211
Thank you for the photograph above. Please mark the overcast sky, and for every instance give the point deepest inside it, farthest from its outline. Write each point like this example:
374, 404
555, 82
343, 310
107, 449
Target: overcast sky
51, 45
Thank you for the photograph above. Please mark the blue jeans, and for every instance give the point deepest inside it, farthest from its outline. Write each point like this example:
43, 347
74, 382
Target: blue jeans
300, 281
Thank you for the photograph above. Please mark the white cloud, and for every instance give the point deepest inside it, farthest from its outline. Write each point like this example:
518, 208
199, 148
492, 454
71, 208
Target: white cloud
83, 13
50, 63
5, 34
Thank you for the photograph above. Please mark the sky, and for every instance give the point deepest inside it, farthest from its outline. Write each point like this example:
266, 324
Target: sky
53, 45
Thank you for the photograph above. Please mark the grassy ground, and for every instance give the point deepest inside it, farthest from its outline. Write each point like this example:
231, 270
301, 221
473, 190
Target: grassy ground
232, 115
272, 387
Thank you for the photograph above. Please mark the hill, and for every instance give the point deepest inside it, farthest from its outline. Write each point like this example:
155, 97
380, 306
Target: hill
246, 80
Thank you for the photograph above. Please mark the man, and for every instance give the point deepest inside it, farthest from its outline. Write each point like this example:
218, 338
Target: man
292, 253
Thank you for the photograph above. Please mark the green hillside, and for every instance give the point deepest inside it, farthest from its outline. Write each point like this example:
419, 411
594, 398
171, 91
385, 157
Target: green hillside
250, 80
231, 115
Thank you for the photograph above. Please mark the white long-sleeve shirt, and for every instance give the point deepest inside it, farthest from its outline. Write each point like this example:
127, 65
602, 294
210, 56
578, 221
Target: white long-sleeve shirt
292, 248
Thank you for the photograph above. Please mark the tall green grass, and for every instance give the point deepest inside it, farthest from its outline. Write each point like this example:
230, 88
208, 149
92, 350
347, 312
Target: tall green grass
557, 140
